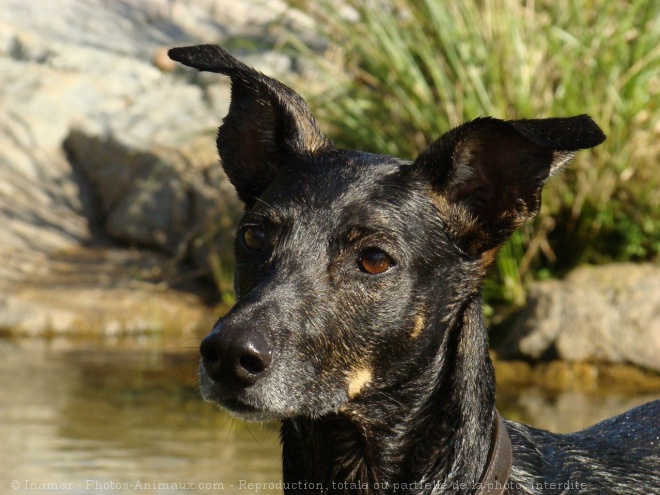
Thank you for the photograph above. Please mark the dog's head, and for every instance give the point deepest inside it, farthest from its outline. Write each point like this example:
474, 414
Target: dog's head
351, 266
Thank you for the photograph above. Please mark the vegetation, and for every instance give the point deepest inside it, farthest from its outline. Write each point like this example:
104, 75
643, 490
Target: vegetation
398, 73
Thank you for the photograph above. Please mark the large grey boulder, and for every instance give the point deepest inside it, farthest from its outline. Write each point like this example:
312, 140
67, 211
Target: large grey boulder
608, 313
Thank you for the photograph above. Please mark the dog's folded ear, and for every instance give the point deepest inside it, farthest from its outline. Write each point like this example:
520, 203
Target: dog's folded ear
490, 172
268, 124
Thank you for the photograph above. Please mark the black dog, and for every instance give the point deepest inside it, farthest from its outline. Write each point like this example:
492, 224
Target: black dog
359, 322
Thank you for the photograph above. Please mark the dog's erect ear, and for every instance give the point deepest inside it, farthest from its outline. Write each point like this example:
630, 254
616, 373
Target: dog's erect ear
488, 173
268, 123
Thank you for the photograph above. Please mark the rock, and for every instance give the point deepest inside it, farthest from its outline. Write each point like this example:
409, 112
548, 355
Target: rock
151, 167
560, 376
102, 291
105, 146
162, 61
607, 313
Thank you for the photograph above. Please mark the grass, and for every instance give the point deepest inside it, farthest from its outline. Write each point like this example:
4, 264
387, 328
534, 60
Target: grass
398, 73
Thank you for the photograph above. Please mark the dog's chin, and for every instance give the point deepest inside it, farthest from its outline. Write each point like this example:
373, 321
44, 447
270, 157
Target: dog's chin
238, 405
256, 413
247, 412
235, 406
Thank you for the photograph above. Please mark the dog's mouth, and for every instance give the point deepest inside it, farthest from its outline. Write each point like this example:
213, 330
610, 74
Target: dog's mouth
239, 408
234, 402
245, 411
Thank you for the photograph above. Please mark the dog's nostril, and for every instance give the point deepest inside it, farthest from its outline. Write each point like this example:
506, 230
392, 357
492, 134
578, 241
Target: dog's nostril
254, 364
252, 358
209, 351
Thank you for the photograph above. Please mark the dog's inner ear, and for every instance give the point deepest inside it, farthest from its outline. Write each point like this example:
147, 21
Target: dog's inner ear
268, 126
487, 174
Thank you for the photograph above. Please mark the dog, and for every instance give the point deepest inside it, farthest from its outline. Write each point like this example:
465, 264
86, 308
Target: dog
358, 321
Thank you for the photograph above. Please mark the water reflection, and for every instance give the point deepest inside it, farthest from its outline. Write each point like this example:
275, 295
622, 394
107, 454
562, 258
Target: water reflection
98, 417
110, 417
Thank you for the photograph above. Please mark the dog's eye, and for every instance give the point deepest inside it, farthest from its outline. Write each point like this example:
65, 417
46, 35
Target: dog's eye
254, 238
374, 261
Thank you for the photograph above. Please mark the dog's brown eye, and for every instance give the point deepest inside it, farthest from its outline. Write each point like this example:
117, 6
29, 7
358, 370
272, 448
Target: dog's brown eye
254, 238
374, 261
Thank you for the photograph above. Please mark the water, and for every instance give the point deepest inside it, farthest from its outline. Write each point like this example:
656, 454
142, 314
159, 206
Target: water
96, 417
125, 416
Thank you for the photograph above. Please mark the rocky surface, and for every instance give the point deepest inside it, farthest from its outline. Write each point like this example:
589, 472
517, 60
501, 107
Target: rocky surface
108, 172
607, 314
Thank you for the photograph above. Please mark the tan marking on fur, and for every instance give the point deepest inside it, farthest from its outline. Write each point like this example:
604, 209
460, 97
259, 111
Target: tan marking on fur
459, 220
353, 234
418, 326
488, 257
357, 381
440, 202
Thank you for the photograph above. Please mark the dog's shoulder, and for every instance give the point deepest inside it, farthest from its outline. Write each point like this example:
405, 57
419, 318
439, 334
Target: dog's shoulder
636, 427
616, 456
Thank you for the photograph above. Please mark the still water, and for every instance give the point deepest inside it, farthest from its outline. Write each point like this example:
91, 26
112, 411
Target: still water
117, 417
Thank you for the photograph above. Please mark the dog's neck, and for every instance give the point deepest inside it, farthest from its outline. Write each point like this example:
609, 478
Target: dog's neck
434, 437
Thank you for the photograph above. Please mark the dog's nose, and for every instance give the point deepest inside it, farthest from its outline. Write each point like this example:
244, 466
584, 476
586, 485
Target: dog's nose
232, 356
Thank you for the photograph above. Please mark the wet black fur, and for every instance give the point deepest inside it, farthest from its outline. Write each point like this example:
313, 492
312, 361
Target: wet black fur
383, 383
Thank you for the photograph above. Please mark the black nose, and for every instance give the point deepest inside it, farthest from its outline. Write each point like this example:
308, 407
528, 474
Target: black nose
235, 356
